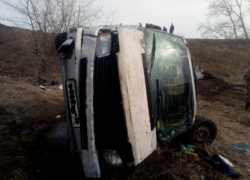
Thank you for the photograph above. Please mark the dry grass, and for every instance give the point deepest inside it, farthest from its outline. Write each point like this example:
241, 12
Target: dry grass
232, 128
224, 59
19, 60
24, 100
26, 109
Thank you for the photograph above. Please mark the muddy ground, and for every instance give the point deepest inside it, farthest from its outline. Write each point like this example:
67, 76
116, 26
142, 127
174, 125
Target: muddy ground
34, 143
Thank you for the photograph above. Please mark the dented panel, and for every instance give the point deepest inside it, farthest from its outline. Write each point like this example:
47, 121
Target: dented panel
133, 89
90, 157
155, 84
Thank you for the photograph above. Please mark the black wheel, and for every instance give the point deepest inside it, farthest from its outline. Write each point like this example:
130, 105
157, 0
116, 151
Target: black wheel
59, 40
203, 131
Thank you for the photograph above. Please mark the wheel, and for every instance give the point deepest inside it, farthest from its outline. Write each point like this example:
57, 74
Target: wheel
203, 131
59, 40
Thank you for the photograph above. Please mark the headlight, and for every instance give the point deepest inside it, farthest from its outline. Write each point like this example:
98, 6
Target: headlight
103, 44
112, 158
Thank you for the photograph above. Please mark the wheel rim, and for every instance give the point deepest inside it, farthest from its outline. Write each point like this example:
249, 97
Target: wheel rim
201, 134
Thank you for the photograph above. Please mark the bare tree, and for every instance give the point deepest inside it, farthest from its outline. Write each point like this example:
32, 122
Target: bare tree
228, 20
222, 8
47, 18
238, 12
216, 31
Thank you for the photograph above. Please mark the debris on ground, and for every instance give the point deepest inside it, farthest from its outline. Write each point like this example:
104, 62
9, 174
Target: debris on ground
25, 131
202, 177
58, 116
188, 147
61, 86
195, 155
199, 72
202, 152
226, 160
43, 87
54, 82
40, 80
46, 88
220, 165
242, 146
40, 127
46, 84
218, 162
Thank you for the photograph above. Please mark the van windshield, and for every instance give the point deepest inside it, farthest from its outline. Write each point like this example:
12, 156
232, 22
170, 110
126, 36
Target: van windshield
170, 83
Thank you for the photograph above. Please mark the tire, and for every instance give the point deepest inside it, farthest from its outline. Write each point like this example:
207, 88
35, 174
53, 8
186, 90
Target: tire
203, 132
59, 40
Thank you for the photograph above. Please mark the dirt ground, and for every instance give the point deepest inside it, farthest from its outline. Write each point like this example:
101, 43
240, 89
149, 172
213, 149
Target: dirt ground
30, 149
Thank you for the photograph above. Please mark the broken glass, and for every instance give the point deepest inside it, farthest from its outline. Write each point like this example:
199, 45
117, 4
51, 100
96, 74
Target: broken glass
169, 77
242, 146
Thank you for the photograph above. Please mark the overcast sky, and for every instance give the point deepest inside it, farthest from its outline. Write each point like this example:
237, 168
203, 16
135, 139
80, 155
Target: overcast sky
184, 14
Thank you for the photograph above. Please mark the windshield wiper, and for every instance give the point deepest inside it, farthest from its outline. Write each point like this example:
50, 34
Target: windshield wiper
159, 98
152, 55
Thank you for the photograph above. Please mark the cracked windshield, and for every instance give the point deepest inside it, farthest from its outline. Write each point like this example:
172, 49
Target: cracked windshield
170, 82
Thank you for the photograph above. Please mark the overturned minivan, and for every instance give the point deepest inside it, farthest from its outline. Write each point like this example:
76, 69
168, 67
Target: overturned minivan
126, 89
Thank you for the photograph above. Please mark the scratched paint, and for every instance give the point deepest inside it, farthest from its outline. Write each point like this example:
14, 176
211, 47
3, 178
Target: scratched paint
142, 139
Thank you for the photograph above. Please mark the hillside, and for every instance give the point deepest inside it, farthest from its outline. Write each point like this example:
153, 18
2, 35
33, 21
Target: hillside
19, 57
224, 59
28, 114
